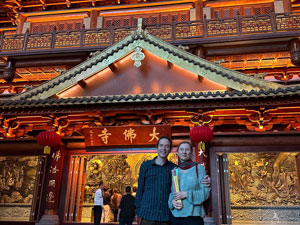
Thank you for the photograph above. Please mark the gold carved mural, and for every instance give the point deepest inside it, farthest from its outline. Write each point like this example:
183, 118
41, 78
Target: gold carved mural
116, 171
17, 183
263, 179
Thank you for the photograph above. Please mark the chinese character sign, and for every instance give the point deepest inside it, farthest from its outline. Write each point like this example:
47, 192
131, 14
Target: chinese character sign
54, 179
104, 135
125, 135
129, 134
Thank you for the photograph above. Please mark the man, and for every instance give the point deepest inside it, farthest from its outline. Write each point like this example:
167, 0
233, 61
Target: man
98, 203
154, 186
126, 210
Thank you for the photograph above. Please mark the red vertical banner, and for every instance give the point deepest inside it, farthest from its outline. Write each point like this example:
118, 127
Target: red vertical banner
202, 157
54, 178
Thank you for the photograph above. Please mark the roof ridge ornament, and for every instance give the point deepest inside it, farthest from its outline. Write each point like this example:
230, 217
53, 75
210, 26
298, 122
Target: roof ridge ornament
138, 56
139, 30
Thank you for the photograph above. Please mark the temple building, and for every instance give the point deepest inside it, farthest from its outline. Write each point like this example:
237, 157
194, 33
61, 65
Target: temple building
88, 86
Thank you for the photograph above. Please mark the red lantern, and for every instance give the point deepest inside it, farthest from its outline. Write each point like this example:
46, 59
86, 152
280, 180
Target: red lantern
201, 134
48, 139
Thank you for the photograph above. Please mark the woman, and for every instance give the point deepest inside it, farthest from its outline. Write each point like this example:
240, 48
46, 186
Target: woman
186, 205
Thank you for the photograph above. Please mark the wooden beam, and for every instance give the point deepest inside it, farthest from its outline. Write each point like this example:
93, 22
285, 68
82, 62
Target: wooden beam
82, 84
93, 19
113, 68
199, 9
200, 78
21, 21
17, 3
170, 65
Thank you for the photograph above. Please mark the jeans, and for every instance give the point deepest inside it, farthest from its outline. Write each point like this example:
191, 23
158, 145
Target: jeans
97, 214
126, 220
191, 220
147, 222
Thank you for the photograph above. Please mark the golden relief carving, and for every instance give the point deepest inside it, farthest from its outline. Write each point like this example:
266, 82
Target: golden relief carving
116, 171
263, 179
17, 183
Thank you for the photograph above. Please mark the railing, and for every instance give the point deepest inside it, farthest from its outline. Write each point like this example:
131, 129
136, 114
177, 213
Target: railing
175, 31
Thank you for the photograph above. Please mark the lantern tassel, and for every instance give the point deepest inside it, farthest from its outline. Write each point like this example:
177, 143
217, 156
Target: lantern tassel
47, 150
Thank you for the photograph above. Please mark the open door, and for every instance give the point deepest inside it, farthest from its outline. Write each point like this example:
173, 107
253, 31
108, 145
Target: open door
75, 190
40, 176
224, 189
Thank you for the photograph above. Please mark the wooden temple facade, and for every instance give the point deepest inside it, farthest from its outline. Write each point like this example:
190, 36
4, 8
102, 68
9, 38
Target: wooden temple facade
112, 76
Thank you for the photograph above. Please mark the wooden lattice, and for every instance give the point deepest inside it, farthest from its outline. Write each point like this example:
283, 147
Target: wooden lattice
256, 24
101, 37
221, 27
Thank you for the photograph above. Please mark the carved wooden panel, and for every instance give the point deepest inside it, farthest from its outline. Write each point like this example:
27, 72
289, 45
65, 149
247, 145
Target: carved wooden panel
63, 25
152, 18
285, 22
39, 41
220, 28
246, 10
193, 29
253, 61
40, 73
101, 37
67, 39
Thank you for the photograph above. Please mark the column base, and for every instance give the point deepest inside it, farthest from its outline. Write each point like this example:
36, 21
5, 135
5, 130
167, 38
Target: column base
48, 220
209, 221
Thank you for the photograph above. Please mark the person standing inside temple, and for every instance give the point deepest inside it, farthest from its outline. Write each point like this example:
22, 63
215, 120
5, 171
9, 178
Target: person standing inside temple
186, 204
98, 203
126, 210
115, 202
107, 206
134, 189
154, 185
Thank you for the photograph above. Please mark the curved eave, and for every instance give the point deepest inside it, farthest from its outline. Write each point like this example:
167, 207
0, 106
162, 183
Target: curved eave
163, 99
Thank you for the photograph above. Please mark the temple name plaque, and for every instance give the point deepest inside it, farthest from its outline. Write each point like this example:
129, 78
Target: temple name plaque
125, 135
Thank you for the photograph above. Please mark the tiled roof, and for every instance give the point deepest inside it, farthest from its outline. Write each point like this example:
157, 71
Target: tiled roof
142, 39
79, 101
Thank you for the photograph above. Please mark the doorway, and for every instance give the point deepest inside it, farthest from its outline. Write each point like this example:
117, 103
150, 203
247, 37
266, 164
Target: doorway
86, 171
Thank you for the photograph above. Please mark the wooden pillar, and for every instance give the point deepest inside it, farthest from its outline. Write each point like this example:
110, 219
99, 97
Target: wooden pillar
295, 51
53, 185
202, 157
199, 9
21, 20
200, 51
287, 6
93, 19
